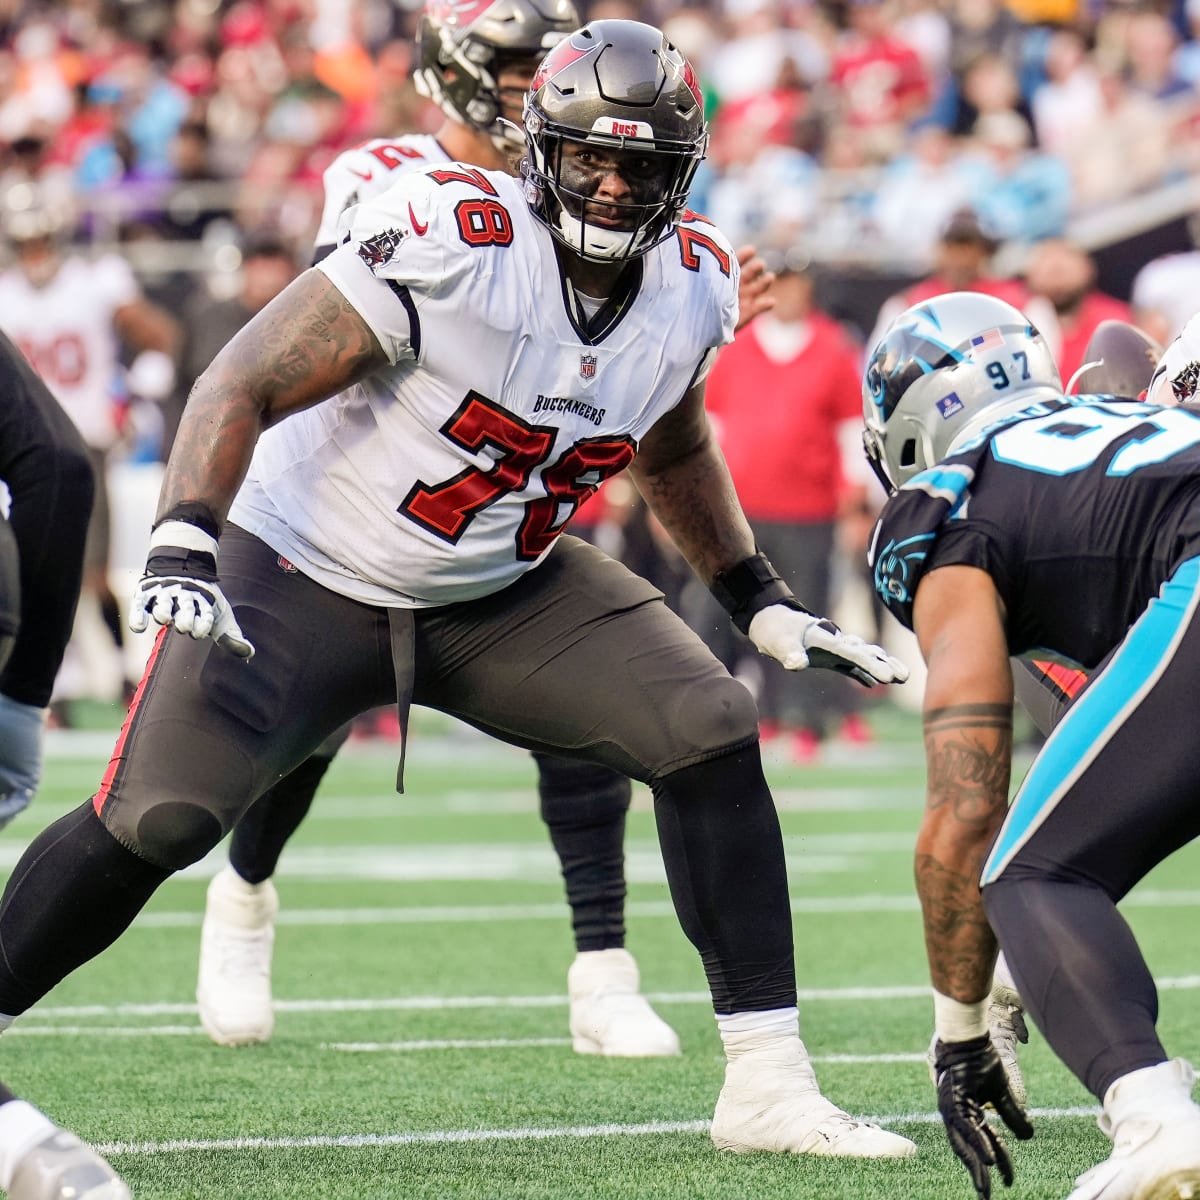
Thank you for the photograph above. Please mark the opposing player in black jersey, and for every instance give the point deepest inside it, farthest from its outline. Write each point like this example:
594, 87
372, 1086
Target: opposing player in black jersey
1023, 520
46, 493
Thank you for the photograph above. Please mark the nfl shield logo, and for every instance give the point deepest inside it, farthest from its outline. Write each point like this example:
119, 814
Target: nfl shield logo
587, 365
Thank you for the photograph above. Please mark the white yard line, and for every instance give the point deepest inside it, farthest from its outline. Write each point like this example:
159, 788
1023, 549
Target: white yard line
639, 909
434, 1003
352, 1141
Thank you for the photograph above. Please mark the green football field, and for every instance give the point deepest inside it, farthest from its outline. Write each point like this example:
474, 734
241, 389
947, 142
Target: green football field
421, 1046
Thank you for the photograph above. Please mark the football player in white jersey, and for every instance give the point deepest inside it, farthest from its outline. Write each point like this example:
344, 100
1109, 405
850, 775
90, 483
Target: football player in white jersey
66, 312
456, 379
476, 62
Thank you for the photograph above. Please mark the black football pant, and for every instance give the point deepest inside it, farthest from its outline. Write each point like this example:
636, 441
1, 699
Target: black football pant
1113, 792
583, 805
579, 658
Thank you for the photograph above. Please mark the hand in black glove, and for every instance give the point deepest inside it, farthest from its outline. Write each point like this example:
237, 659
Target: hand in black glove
970, 1075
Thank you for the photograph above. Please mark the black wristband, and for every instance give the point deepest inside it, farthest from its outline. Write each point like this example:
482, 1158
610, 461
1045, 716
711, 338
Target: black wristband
750, 586
192, 512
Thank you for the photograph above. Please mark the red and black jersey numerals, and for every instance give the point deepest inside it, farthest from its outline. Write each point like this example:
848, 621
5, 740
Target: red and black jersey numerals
480, 222
446, 509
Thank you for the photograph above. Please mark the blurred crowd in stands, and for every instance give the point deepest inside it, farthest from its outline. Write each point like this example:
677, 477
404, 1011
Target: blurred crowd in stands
187, 139
854, 125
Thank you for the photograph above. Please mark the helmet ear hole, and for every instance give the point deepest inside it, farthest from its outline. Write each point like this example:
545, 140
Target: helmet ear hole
908, 453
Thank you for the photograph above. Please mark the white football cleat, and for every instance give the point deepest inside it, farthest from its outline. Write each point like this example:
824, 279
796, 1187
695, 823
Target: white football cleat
771, 1101
1156, 1141
61, 1167
609, 1015
233, 991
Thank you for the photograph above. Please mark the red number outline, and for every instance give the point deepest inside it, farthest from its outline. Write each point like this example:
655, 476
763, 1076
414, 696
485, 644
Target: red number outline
446, 509
692, 239
483, 223
540, 526
471, 175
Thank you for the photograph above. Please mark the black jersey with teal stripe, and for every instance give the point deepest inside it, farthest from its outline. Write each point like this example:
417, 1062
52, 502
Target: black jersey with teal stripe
1079, 513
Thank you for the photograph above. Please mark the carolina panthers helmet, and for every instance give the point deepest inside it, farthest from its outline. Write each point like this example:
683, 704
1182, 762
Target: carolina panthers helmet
945, 370
618, 87
463, 45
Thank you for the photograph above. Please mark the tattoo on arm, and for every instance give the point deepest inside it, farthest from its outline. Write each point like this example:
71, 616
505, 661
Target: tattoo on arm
682, 476
305, 346
968, 754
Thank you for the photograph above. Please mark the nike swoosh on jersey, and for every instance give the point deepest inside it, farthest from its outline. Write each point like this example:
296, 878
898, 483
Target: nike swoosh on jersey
419, 229
366, 176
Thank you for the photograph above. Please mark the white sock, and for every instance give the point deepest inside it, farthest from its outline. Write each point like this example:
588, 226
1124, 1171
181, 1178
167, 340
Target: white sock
748, 1032
21, 1128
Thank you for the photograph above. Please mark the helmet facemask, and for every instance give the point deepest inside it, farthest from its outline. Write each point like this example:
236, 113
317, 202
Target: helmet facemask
614, 126
565, 172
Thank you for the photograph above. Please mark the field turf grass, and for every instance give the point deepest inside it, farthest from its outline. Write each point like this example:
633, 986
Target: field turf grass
421, 1044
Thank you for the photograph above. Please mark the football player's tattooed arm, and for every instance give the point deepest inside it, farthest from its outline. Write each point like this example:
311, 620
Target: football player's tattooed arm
308, 344
681, 473
959, 623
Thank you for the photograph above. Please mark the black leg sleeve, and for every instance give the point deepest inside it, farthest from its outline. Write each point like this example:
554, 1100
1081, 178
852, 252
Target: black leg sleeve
1080, 973
74, 892
723, 851
263, 830
584, 808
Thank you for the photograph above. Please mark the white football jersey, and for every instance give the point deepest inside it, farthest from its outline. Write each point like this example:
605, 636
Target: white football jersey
65, 330
366, 171
448, 474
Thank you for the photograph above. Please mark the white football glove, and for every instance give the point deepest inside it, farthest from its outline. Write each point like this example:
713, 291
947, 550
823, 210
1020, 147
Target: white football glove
799, 639
180, 589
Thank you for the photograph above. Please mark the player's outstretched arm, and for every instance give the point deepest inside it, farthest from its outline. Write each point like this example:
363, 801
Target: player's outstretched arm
308, 344
958, 618
682, 475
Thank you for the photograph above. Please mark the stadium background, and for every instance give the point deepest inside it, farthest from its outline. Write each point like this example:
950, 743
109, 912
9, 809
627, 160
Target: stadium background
421, 1048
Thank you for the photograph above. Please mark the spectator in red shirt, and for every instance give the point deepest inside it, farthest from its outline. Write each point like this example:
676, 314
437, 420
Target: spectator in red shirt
961, 260
1062, 275
879, 80
781, 396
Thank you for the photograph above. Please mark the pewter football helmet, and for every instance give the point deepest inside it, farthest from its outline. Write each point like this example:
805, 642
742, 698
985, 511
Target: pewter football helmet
614, 88
463, 45
945, 370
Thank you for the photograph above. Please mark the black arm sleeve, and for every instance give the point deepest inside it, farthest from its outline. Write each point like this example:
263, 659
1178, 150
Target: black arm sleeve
45, 464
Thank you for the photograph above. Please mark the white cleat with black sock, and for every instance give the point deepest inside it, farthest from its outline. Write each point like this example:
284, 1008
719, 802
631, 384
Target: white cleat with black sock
609, 1015
233, 991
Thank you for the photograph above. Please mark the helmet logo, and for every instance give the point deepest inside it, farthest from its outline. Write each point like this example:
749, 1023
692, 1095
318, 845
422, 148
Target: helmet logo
563, 55
633, 129
456, 12
587, 366
693, 83
989, 339
949, 405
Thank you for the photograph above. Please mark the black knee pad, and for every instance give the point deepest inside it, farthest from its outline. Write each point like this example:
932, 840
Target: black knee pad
573, 793
174, 834
716, 717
